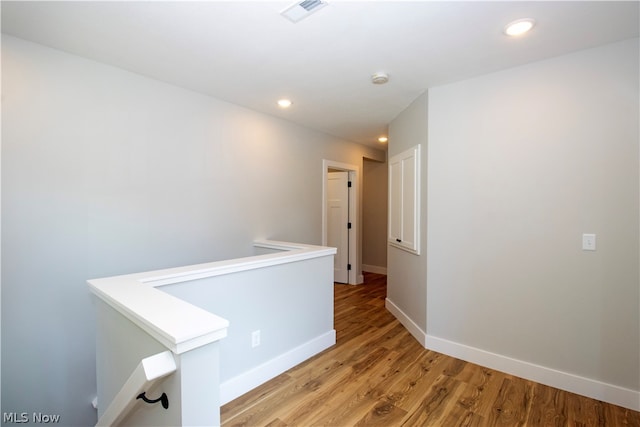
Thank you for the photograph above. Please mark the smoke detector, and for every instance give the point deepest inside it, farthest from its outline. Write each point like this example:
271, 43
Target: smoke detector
379, 78
302, 9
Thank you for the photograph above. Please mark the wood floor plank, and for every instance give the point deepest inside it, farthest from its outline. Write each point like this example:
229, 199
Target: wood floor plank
585, 412
481, 390
436, 404
377, 374
512, 404
300, 395
382, 414
254, 397
277, 423
418, 380
351, 400
458, 416
548, 407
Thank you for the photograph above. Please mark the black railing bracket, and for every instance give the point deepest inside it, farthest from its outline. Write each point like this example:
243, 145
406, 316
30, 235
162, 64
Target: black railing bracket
163, 399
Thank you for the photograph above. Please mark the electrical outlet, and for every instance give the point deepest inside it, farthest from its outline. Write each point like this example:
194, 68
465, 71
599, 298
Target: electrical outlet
255, 338
588, 242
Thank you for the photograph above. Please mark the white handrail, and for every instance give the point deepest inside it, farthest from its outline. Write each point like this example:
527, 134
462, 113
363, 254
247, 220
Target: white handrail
148, 371
175, 323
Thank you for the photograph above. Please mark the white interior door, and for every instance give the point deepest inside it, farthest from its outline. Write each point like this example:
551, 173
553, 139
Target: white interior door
338, 223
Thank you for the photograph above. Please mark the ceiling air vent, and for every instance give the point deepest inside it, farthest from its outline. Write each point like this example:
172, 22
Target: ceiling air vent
302, 9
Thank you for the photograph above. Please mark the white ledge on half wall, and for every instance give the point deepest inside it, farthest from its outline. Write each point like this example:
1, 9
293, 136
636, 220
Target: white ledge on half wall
177, 324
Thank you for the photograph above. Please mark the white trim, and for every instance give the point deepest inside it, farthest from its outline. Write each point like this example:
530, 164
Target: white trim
396, 214
374, 269
355, 277
290, 252
563, 380
177, 324
239, 385
406, 321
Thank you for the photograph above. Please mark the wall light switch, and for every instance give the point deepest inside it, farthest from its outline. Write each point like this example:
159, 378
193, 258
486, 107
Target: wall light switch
255, 338
588, 242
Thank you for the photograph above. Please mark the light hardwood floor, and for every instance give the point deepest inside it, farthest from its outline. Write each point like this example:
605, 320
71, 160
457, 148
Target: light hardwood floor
378, 374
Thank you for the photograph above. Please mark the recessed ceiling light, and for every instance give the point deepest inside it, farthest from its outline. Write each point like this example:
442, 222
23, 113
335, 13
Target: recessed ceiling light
284, 103
383, 139
519, 26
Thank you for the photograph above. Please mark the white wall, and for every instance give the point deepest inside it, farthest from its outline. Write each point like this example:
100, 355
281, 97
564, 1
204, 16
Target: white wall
521, 163
406, 272
290, 304
106, 172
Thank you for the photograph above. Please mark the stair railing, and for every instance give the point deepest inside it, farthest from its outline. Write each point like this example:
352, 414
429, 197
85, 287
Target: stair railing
149, 371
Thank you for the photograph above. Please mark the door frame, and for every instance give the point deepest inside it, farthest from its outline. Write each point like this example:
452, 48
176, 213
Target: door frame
355, 277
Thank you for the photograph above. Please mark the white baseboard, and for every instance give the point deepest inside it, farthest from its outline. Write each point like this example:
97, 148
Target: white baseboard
551, 377
249, 380
406, 321
565, 381
374, 269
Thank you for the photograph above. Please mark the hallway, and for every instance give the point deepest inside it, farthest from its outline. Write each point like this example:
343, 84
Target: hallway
378, 374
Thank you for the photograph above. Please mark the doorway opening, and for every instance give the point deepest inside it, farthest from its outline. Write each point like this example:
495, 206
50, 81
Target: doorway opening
340, 218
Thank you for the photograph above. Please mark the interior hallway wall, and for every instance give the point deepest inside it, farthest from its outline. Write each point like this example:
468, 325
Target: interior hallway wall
407, 272
374, 216
107, 172
521, 163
